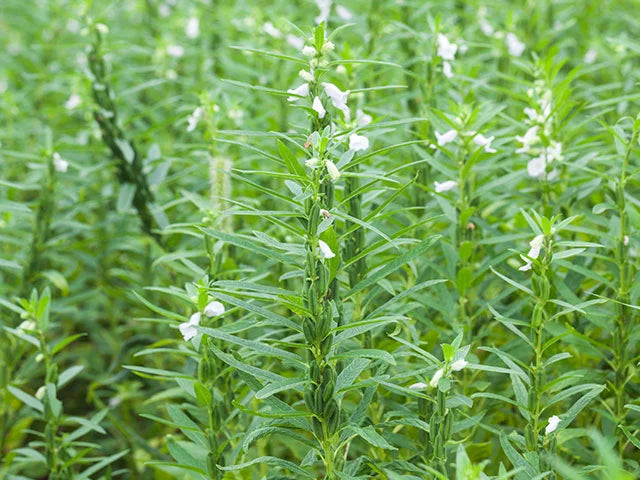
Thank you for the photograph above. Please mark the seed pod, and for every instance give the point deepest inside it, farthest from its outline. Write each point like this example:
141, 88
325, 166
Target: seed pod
308, 203
448, 425
317, 401
211, 464
333, 422
203, 371
327, 392
329, 409
323, 278
538, 316
213, 440
325, 346
530, 437
314, 219
52, 375
324, 324
532, 399
308, 330
50, 433
317, 427
313, 304
308, 400
314, 372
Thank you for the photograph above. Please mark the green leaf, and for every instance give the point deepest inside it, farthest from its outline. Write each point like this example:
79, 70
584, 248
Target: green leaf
392, 266
292, 163
27, 399
371, 436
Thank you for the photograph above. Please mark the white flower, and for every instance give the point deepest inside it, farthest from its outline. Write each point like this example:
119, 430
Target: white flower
418, 386
40, 393
192, 28
531, 113
514, 45
271, 30
552, 425
338, 97
102, 28
446, 69
193, 119
334, 173
188, 329
436, 377
327, 47
325, 8
164, 10
73, 101
536, 167
554, 152
59, 164
309, 51
308, 76
529, 138
343, 13
176, 51
625, 240
317, 106
296, 42
358, 142
459, 365
325, 250
325, 214
485, 142
27, 325
214, 309
73, 25
362, 118
446, 137
301, 91
446, 50
590, 56
486, 27
311, 163
445, 186
534, 252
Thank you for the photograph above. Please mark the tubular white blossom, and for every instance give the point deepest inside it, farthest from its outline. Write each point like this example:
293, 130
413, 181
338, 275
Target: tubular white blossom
358, 143
192, 29
309, 51
551, 427
59, 164
459, 365
176, 51
193, 119
214, 309
325, 8
188, 329
485, 142
536, 167
446, 49
436, 377
317, 106
534, 252
73, 101
271, 30
296, 42
446, 69
445, 186
338, 97
325, 250
514, 45
343, 13
418, 386
296, 93
446, 137
362, 118
334, 173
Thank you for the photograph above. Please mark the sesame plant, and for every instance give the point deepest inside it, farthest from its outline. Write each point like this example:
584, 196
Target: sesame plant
329, 239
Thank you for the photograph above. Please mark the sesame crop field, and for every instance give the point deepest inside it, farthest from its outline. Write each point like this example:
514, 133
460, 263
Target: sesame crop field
322, 239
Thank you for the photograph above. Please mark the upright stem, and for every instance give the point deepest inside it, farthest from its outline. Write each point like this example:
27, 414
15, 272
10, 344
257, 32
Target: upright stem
624, 315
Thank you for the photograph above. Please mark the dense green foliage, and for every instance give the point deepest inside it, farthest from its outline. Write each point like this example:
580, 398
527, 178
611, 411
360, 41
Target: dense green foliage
345, 240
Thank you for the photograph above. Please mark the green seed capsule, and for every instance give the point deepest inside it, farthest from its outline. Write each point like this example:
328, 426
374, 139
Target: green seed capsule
325, 346
323, 278
211, 464
314, 219
327, 393
308, 400
317, 427
333, 422
308, 330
